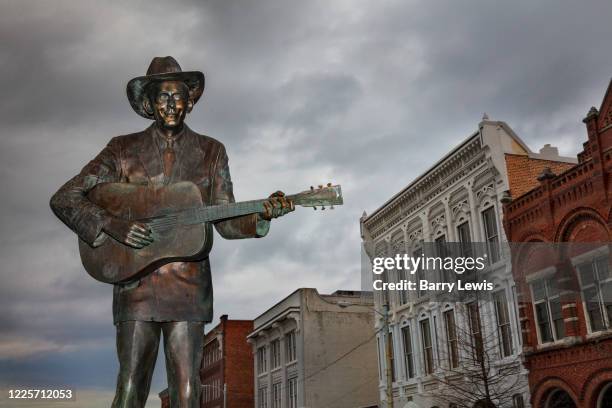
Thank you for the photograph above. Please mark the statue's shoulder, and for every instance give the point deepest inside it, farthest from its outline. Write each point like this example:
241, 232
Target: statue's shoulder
130, 139
207, 142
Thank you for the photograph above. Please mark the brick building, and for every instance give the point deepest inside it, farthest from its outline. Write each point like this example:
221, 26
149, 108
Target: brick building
227, 366
564, 284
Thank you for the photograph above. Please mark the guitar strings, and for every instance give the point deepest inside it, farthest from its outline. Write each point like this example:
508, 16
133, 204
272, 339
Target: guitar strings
172, 220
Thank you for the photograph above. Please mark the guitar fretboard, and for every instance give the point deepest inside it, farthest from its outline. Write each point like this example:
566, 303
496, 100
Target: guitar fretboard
210, 214
222, 211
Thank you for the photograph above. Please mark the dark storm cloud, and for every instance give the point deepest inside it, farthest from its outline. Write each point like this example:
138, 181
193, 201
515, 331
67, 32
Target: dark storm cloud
367, 94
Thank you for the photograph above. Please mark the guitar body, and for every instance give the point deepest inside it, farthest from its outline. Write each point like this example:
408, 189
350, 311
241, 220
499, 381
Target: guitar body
114, 262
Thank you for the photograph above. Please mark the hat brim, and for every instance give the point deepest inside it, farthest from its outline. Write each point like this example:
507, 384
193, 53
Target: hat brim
136, 88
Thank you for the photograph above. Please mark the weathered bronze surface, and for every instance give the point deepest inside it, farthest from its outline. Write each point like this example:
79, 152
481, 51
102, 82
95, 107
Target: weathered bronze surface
175, 298
178, 222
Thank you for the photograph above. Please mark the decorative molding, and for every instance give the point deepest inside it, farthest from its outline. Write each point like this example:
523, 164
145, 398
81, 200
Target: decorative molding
460, 208
485, 191
438, 221
416, 235
438, 225
295, 316
399, 246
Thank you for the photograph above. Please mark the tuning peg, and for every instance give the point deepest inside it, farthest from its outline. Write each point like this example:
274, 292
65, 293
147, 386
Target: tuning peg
328, 184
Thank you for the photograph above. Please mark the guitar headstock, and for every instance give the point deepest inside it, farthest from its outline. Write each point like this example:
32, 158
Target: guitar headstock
320, 197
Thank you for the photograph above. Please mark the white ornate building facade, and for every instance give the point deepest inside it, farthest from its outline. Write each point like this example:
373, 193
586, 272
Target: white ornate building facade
313, 350
456, 200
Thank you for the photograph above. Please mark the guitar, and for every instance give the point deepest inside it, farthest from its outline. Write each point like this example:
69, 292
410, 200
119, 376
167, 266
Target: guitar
180, 225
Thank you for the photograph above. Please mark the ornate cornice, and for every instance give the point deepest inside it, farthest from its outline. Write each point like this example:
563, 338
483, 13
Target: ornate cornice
427, 188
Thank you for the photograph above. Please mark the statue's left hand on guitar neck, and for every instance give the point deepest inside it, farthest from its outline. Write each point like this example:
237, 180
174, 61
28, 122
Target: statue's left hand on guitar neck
277, 205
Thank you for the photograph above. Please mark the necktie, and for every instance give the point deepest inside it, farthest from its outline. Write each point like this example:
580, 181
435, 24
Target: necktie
169, 157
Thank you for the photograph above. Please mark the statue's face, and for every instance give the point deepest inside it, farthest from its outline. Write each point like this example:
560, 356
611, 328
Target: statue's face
170, 103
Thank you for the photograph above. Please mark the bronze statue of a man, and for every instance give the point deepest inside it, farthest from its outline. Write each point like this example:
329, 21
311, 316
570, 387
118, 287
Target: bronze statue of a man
175, 299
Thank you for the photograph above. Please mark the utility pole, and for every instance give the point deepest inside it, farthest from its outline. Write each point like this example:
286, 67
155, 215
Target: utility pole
388, 352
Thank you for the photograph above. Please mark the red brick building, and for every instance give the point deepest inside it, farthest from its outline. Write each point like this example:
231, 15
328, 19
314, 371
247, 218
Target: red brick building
227, 366
565, 285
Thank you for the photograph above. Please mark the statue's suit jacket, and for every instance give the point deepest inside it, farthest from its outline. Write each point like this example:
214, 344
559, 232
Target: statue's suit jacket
179, 291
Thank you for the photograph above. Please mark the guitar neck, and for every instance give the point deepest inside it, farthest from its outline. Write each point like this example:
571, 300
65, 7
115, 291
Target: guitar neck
231, 210
221, 212
330, 196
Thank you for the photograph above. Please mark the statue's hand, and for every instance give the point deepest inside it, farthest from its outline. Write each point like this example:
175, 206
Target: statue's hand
134, 234
277, 205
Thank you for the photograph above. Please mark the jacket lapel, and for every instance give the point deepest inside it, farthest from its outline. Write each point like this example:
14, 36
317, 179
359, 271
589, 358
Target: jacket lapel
189, 157
148, 154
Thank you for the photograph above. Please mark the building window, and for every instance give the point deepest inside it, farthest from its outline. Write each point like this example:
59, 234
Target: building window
205, 394
517, 401
446, 275
216, 388
503, 323
427, 347
262, 360
596, 285
408, 354
489, 221
276, 353
440, 245
292, 393
262, 398
517, 316
465, 239
392, 359
475, 331
451, 338
548, 313
435, 339
379, 358
276, 395
290, 347
212, 354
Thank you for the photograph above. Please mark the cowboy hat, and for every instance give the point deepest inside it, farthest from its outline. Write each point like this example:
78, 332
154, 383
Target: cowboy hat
163, 69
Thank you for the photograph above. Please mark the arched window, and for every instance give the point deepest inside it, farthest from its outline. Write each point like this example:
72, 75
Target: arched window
517, 401
483, 403
605, 398
559, 399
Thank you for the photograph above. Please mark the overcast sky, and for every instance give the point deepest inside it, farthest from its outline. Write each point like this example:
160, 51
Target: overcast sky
367, 94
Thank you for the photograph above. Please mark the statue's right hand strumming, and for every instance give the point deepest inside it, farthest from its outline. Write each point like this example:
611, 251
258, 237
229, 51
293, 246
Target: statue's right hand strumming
134, 234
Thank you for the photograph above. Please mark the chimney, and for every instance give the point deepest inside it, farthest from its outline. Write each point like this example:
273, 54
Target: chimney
549, 152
